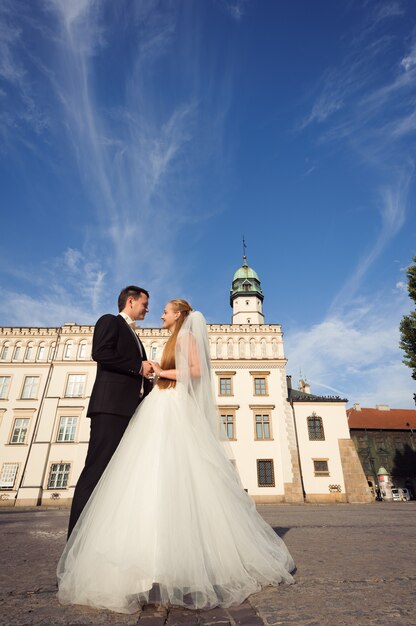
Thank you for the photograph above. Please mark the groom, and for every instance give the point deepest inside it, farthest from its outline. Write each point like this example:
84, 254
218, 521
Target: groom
120, 385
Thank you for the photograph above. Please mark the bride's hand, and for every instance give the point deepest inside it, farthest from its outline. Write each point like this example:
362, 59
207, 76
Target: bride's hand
156, 368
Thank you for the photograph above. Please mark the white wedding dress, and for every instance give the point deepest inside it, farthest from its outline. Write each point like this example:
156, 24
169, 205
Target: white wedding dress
169, 518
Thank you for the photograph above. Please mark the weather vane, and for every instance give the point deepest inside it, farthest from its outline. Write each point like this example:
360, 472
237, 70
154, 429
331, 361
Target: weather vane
244, 248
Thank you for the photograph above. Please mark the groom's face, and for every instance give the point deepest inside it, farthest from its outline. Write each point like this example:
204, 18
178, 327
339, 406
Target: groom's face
138, 307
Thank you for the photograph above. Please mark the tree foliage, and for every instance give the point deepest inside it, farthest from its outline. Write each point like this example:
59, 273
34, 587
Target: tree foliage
408, 324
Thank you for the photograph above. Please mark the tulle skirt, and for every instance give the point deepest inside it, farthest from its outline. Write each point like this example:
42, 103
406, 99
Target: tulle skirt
169, 517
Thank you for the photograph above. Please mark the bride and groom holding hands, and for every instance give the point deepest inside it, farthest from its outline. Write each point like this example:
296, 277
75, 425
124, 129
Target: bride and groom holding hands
159, 510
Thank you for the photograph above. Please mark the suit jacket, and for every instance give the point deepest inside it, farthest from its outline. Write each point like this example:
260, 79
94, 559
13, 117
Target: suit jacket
118, 381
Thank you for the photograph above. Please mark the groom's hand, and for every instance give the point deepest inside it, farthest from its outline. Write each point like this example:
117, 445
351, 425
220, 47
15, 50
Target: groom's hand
147, 369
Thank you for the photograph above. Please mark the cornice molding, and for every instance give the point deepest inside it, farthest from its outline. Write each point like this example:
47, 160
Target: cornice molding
225, 364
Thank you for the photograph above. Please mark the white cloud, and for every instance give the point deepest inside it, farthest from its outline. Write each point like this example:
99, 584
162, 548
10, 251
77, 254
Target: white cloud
328, 102
235, 8
70, 287
135, 161
388, 9
392, 209
409, 61
355, 354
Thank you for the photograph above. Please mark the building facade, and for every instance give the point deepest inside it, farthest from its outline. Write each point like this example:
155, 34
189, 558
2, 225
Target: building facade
289, 446
385, 440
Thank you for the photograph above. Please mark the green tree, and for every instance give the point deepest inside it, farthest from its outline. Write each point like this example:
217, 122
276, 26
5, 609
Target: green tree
408, 324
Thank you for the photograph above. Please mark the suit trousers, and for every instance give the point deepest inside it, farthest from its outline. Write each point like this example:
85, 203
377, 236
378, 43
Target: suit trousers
105, 435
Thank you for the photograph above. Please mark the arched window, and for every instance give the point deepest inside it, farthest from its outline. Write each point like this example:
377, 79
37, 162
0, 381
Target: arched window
82, 350
219, 348
68, 350
153, 352
242, 349
315, 428
275, 349
30, 351
17, 354
51, 351
263, 346
5, 351
41, 352
252, 348
230, 348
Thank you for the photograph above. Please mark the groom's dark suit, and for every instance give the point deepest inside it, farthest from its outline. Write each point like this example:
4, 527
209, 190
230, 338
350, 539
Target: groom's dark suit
114, 398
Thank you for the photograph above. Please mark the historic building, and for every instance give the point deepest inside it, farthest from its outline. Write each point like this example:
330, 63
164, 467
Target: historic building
289, 445
385, 440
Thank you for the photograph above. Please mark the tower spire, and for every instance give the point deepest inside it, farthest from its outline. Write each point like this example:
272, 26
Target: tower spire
244, 251
246, 296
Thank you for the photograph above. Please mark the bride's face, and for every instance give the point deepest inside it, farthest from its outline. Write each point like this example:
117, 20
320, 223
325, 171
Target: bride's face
169, 317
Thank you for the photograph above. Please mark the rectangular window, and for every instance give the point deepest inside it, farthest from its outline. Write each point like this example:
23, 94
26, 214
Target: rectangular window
262, 426
82, 350
320, 467
67, 428
265, 473
4, 387
154, 352
260, 387
30, 388
225, 387
59, 475
316, 428
8, 475
21, 425
75, 386
228, 421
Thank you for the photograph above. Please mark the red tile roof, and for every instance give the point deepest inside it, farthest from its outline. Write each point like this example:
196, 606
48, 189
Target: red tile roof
393, 419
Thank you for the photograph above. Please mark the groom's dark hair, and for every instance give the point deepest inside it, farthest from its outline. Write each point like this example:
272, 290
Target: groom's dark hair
131, 290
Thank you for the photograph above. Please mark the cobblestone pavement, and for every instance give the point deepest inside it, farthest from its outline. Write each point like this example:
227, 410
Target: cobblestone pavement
356, 566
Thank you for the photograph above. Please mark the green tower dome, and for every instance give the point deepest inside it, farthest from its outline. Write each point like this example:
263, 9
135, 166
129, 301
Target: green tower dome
246, 282
246, 272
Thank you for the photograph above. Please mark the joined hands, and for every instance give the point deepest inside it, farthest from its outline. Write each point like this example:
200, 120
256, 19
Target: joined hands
147, 369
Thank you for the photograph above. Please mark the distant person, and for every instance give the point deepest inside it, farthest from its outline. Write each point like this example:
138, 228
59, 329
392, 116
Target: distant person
169, 520
120, 385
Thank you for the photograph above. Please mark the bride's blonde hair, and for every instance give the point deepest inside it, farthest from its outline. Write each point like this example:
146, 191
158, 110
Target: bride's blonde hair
168, 357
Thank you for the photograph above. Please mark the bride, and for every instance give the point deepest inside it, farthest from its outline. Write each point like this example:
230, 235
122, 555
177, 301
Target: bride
169, 518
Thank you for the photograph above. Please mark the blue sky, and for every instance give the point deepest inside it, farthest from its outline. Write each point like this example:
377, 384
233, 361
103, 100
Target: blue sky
140, 140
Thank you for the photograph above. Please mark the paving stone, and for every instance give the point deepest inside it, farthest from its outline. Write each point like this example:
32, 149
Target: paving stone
215, 616
179, 617
355, 567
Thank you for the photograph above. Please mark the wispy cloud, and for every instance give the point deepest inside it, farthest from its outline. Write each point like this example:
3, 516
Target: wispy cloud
20, 112
392, 207
354, 99
356, 354
235, 8
135, 155
66, 288
369, 109
366, 105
